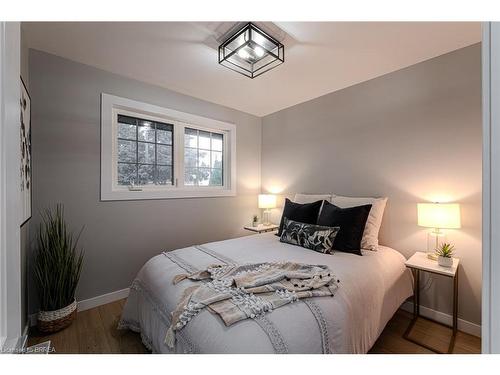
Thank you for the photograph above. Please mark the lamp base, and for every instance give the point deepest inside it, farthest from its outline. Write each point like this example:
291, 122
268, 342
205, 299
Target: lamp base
434, 238
265, 217
431, 256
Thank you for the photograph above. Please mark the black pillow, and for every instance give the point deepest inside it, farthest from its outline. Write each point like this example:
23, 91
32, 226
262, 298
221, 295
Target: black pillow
305, 213
352, 223
309, 236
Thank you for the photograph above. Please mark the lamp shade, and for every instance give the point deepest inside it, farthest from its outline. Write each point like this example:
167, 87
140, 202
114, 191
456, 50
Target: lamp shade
267, 201
439, 215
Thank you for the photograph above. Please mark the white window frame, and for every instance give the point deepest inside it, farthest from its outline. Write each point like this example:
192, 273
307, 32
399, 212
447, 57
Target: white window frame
112, 105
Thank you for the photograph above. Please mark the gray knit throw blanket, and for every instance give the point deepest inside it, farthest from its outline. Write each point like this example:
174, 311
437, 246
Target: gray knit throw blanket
237, 292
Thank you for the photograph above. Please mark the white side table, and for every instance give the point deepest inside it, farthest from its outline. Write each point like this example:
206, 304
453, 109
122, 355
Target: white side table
419, 262
261, 228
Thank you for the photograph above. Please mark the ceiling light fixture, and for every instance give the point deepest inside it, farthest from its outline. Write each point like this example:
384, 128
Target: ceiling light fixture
251, 51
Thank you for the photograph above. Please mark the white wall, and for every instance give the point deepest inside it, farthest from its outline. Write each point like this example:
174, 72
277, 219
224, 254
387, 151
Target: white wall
491, 188
10, 262
413, 135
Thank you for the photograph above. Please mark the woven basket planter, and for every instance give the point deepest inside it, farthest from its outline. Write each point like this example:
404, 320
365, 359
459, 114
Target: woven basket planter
53, 321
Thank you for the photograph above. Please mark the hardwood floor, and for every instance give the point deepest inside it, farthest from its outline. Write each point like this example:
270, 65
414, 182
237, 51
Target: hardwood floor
94, 332
391, 340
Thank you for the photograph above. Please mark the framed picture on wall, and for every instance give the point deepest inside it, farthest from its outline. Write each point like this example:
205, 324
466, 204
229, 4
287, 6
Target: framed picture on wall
25, 167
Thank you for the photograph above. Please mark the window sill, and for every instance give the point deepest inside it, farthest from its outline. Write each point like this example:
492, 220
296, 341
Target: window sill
125, 194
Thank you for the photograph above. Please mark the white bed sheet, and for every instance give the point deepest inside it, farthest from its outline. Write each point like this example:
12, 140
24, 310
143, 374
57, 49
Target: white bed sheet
372, 288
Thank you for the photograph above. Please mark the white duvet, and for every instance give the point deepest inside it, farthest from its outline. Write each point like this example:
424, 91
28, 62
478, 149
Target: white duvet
371, 289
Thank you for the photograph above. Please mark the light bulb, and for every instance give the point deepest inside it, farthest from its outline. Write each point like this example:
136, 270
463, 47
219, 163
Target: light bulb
259, 51
243, 54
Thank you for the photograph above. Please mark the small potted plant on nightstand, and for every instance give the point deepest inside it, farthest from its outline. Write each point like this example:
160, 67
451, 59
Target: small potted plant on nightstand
445, 253
255, 221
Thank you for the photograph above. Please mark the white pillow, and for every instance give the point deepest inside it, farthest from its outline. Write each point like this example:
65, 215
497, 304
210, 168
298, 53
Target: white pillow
275, 216
310, 198
372, 227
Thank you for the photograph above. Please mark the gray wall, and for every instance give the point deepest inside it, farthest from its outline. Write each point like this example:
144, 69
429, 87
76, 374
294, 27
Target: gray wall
413, 135
119, 237
24, 58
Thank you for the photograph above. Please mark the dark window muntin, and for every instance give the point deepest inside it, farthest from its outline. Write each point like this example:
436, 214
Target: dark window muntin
124, 119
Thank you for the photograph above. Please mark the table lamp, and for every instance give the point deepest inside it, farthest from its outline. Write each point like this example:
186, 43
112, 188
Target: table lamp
437, 216
267, 201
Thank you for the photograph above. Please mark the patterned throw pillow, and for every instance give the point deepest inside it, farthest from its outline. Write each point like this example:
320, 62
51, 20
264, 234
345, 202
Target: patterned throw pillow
309, 236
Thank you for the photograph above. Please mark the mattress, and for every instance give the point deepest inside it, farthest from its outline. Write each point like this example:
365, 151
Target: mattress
372, 287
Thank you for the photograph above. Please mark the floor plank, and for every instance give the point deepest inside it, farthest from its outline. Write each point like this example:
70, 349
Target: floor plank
94, 331
122, 341
436, 335
91, 333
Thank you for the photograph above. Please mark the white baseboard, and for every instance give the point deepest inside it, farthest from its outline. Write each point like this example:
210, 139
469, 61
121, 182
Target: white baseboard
16, 345
23, 341
90, 303
463, 325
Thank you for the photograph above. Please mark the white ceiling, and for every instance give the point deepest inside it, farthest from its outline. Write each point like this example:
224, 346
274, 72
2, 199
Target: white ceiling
319, 57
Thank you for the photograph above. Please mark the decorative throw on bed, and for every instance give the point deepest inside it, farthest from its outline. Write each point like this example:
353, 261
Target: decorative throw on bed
238, 292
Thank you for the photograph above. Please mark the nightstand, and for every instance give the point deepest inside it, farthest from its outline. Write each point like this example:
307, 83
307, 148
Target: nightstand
419, 262
261, 228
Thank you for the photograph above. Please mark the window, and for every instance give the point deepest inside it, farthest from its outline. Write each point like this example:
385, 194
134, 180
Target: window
150, 152
145, 152
203, 158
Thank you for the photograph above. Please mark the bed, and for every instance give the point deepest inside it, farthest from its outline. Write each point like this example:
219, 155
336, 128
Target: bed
372, 287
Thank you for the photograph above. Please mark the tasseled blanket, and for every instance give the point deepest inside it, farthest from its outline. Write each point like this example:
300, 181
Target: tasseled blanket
248, 291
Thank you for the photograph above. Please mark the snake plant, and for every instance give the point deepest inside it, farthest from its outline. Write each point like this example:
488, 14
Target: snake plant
58, 262
446, 250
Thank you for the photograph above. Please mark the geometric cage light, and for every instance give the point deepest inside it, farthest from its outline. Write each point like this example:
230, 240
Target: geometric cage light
251, 51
